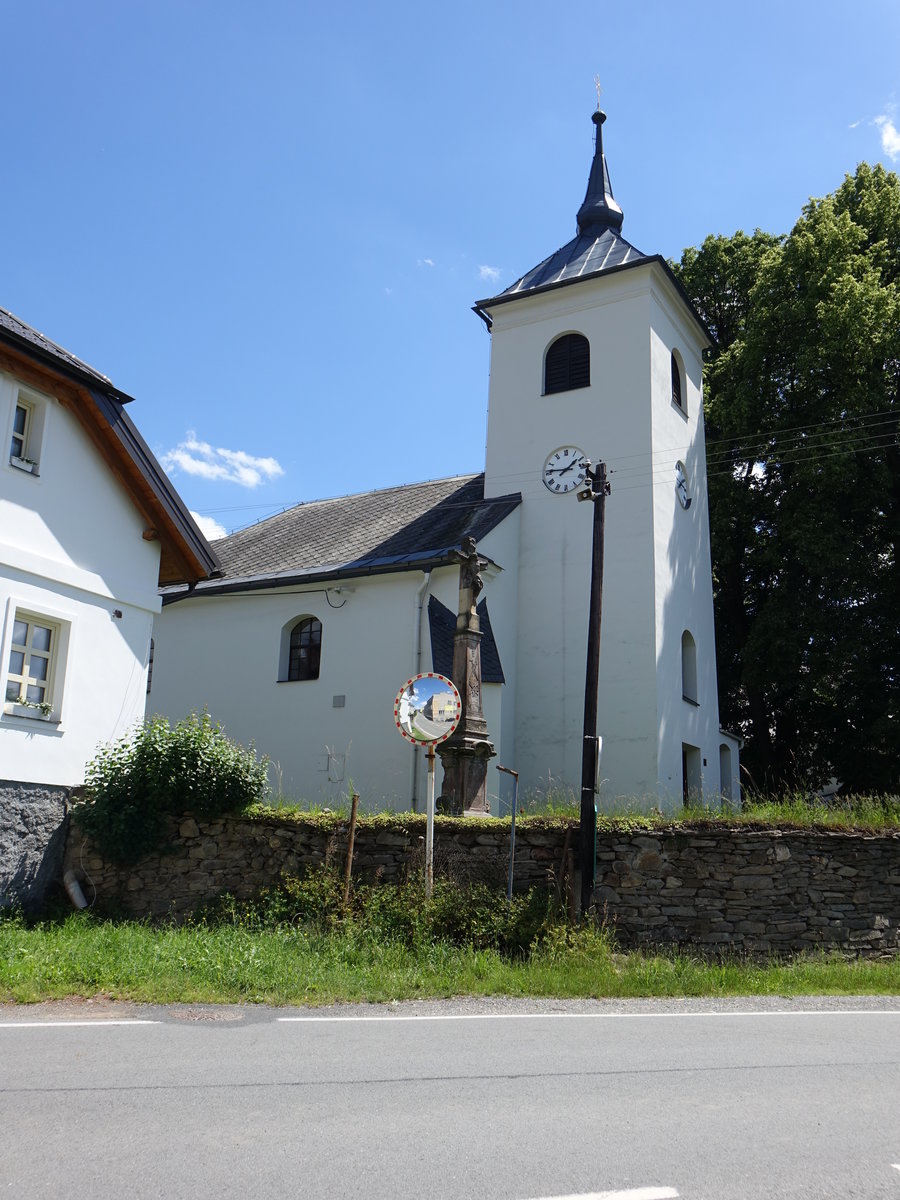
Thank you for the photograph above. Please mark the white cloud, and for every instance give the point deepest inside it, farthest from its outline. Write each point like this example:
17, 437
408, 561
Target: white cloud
425, 262
214, 462
890, 137
490, 273
209, 527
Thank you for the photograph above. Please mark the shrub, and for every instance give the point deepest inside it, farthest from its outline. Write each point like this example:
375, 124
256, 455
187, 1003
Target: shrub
157, 770
460, 915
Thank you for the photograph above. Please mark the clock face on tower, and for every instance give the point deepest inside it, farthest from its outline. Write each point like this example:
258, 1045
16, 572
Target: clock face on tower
564, 469
682, 487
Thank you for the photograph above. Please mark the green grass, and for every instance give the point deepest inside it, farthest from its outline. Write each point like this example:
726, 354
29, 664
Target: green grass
539, 810
82, 955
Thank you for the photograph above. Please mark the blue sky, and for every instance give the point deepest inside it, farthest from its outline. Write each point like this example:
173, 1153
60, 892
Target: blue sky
268, 223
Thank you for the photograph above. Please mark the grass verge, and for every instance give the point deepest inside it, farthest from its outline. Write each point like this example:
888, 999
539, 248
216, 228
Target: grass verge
82, 955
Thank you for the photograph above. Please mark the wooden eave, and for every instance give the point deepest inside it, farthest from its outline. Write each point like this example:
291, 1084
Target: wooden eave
185, 555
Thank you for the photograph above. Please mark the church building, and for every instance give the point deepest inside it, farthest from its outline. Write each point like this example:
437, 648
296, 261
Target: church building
323, 611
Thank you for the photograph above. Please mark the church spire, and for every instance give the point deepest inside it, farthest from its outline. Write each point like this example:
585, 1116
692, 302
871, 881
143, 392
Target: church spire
599, 210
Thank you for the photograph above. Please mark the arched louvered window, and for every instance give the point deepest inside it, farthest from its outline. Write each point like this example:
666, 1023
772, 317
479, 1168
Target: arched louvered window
676, 383
568, 364
689, 668
305, 649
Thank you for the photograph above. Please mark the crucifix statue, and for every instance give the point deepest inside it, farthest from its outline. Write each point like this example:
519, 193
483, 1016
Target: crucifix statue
466, 752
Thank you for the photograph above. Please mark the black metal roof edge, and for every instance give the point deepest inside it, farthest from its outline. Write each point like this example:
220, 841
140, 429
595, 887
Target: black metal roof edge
141, 455
646, 260
61, 365
257, 583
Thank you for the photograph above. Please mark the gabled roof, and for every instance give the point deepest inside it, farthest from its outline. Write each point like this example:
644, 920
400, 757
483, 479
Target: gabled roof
185, 554
395, 529
40, 347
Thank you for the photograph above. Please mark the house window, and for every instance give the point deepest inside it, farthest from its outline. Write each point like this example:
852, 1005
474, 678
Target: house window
305, 649
567, 364
26, 432
689, 668
677, 392
19, 440
32, 657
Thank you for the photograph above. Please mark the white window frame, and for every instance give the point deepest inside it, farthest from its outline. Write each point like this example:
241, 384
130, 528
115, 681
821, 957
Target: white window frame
49, 707
19, 451
33, 438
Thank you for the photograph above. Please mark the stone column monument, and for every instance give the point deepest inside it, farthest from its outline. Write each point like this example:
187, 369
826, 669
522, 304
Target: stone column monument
466, 752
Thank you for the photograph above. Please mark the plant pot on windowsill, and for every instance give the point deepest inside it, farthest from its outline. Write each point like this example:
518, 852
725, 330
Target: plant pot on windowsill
23, 464
34, 712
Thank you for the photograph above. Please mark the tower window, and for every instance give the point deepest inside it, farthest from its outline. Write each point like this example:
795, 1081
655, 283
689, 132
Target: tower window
688, 668
568, 364
677, 396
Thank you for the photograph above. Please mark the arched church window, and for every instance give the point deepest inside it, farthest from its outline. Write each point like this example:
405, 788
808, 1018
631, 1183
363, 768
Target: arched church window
305, 649
677, 395
689, 668
567, 364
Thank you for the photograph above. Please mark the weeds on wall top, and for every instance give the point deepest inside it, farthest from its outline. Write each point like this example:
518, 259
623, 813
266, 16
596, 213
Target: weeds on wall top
160, 770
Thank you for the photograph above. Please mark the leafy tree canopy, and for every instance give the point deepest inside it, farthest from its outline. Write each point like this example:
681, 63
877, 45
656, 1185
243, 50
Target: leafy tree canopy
802, 399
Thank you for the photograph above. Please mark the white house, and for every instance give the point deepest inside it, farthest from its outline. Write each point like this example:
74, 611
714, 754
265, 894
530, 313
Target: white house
90, 527
323, 611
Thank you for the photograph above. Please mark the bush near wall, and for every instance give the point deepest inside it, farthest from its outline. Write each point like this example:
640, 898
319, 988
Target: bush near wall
713, 886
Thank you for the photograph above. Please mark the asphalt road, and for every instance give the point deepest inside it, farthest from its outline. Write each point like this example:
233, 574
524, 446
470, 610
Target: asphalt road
515, 1100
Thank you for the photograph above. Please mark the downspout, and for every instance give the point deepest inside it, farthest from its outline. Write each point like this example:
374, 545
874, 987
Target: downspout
73, 889
417, 659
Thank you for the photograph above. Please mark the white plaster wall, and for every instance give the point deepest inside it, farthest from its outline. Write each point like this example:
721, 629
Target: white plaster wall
502, 594
72, 520
683, 568
610, 420
104, 682
71, 549
221, 653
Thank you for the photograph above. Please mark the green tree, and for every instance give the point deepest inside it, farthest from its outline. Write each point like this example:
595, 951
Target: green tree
802, 407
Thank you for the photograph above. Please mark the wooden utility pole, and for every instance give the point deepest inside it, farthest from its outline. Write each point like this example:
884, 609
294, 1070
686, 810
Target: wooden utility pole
596, 489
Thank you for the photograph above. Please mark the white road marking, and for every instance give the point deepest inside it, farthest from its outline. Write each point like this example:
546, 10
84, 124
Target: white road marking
644, 1193
861, 1012
69, 1024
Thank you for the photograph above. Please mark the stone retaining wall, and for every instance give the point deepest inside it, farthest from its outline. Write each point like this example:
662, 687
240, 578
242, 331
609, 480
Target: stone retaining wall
32, 840
749, 889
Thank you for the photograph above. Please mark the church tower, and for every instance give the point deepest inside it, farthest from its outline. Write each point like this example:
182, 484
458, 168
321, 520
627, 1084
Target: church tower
598, 350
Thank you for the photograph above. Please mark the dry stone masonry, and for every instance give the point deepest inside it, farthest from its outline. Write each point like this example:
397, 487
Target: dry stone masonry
719, 888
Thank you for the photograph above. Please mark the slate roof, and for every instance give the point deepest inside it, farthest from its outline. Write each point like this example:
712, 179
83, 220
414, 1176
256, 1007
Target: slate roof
442, 623
393, 529
585, 255
42, 347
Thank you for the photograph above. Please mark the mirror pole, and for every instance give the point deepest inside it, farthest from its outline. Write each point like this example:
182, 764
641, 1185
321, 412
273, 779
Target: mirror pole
429, 826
